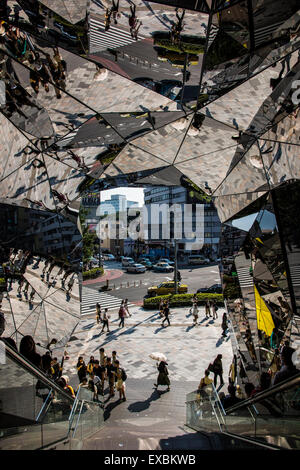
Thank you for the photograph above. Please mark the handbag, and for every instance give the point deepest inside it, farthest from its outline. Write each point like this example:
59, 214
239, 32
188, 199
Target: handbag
211, 367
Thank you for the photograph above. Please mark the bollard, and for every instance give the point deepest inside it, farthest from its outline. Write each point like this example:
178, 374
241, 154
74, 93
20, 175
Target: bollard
128, 284
140, 282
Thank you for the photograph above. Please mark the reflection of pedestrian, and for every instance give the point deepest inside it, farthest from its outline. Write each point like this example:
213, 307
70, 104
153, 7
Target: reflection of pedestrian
163, 375
115, 11
224, 324
107, 19
134, 22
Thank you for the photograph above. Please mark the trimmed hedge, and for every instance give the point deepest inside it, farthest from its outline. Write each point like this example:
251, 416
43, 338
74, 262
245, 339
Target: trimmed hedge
181, 300
92, 273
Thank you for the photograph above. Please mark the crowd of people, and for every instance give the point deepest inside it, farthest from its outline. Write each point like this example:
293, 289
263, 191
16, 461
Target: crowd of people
281, 369
96, 372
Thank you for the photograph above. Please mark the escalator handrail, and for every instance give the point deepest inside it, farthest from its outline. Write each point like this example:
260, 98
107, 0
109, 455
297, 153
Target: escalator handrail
280, 387
38, 373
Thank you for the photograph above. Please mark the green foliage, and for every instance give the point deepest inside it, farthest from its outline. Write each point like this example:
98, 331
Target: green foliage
89, 239
232, 291
181, 300
93, 273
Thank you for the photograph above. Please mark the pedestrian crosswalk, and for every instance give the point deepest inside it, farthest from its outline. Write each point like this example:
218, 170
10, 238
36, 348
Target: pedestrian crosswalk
100, 40
90, 297
295, 275
245, 279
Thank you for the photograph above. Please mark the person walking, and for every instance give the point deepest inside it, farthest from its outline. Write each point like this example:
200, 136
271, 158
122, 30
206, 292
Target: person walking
120, 378
195, 311
224, 324
122, 315
218, 370
127, 308
204, 382
161, 308
214, 308
115, 10
207, 309
163, 375
98, 313
166, 315
105, 320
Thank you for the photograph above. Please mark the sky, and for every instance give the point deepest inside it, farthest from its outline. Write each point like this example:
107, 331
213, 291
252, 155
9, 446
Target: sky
132, 194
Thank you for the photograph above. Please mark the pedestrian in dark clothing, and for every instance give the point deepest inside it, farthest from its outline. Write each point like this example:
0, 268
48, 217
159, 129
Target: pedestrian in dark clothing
231, 399
163, 375
166, 315
81, 369
224, 324
122, 315
110, 373
288, 369
115, 10
27, 349
218, 369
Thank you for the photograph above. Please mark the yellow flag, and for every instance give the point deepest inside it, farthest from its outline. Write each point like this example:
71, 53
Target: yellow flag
264, 317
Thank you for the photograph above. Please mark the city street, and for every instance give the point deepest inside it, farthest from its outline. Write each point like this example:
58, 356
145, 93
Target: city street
123, 286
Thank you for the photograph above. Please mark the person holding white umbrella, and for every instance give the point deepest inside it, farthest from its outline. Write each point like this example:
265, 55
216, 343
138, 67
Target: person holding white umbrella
163, 373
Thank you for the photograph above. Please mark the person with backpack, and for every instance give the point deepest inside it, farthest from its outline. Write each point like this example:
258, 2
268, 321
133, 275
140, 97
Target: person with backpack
163, 375
122, 315
120, 378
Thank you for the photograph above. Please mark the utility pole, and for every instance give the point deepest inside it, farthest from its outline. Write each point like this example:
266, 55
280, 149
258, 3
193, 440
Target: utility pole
175, 268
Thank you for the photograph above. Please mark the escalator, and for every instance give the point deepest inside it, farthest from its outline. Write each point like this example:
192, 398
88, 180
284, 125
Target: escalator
269, 420
36, 413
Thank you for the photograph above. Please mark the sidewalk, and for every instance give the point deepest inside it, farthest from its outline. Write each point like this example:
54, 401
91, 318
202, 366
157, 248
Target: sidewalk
107, 276
189, 349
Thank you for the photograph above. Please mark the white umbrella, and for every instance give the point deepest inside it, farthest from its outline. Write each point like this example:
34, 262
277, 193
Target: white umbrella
180, 124
157, 356
101, 75
193, 131
256, 161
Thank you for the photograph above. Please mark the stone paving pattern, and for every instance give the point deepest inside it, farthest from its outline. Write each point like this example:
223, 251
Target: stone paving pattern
189, 349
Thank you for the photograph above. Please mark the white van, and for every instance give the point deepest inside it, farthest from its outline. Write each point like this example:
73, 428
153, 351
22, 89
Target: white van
127, 261
198, 259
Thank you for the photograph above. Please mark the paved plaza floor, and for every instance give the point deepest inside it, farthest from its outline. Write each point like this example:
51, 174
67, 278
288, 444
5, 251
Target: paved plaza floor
189, 349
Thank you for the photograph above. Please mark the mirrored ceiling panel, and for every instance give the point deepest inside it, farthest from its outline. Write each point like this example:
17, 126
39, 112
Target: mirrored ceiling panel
229, 206
158, 46
248, 175
205, 136
14, 147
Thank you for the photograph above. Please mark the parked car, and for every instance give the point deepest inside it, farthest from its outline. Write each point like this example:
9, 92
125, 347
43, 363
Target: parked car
147, 263
167, 260
167, 288
109, 257
135, 268
126, 261
198, 259
215, 289
163, 267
